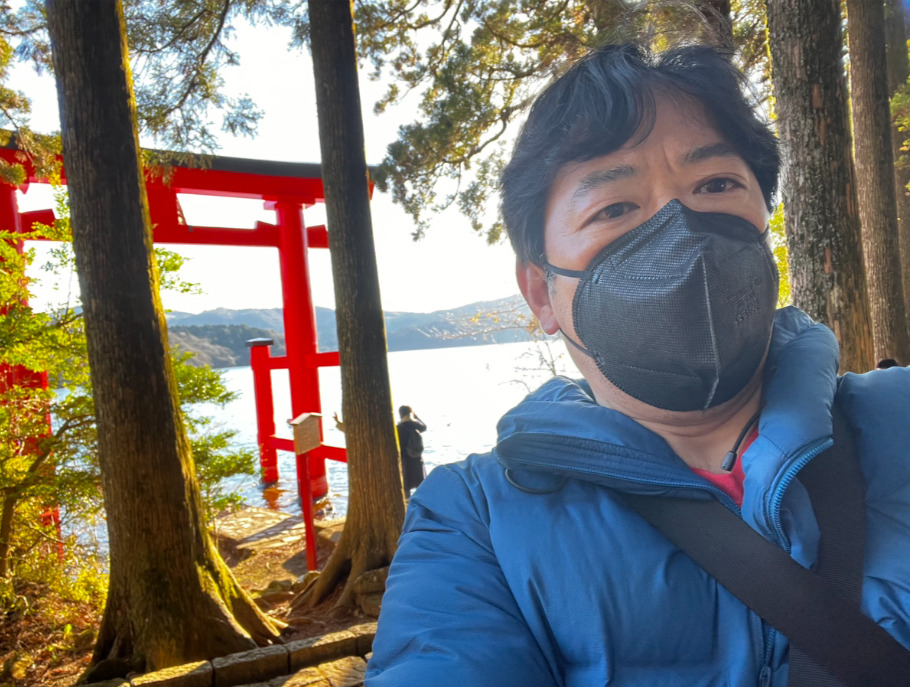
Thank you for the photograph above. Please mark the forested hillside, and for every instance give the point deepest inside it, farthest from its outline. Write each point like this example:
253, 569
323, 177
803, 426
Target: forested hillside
221, 345
218, 337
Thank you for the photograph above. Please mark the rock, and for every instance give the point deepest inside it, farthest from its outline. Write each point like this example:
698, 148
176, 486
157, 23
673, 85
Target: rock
329, 531
345, 672
315, 650
308, 677
368, 591
251, 666
365, 633
196, 674
372, 581
370, 604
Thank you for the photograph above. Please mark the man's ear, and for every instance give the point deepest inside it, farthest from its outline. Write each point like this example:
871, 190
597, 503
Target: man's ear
532, 280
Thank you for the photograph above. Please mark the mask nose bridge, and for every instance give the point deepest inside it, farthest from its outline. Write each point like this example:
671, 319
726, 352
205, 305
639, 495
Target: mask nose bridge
674, 210
661, 200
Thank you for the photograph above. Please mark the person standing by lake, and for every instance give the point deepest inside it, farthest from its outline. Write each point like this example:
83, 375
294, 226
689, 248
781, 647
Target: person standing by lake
410, 441
637, 199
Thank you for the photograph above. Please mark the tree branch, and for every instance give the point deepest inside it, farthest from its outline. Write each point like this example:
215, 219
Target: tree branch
179, 34
203, 56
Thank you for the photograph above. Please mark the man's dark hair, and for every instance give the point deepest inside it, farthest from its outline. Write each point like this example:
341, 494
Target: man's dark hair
885, 363
404, 411
601, 102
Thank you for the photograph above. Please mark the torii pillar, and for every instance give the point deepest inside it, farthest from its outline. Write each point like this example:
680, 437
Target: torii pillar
300, 325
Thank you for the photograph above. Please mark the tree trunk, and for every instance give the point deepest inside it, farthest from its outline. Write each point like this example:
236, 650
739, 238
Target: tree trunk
171, 598
376, 505
898, 72
827, 275
7, 510
875, 177
719, 17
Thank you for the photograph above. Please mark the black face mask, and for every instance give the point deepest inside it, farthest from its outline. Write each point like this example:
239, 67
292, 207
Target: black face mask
678, 312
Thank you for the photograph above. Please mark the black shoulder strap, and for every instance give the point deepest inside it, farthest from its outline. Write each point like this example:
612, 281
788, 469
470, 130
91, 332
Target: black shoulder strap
837, 490
818, 613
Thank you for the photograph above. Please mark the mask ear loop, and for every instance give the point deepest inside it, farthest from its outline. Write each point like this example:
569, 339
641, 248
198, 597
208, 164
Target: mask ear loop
572, 274
561, 271
730, 458
576, 344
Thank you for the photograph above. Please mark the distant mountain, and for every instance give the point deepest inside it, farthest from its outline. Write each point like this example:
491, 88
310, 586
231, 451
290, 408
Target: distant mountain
218, 337
261, 319
221, 345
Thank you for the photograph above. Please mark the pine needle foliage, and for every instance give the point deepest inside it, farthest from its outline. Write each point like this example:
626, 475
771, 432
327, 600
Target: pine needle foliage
474, 66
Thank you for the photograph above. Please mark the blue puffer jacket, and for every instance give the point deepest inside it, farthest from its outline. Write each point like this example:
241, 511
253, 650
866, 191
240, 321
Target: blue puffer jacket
493, 585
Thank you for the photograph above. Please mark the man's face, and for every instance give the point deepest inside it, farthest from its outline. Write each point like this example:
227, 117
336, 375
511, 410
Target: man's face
593, 203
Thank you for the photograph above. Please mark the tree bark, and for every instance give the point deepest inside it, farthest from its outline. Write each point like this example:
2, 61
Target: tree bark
7, 510
898, 72
718, 16
171, 598
827, 274
376, 505
873, 157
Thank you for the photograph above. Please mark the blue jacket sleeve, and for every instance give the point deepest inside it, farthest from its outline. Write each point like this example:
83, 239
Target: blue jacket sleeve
448, 617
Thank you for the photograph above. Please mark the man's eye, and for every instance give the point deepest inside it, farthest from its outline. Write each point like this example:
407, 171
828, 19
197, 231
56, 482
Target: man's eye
718, 186
614, 211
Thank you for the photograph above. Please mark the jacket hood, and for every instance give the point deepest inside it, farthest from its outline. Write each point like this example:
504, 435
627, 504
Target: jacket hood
561, 430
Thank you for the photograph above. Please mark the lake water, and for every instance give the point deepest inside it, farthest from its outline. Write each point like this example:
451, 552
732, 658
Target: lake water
460, 393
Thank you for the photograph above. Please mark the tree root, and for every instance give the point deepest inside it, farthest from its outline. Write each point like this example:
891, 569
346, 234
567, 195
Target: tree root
338, 565
346, 565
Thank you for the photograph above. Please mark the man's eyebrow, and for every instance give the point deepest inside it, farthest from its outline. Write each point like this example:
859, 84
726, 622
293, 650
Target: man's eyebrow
720, 149
603, 176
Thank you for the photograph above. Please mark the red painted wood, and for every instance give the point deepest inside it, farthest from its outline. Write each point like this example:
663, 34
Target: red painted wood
286, 188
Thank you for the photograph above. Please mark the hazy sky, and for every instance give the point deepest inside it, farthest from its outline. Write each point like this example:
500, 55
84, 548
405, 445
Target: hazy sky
452, 266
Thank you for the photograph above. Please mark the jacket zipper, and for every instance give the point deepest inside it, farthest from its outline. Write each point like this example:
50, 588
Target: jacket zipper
778, 496
774, 516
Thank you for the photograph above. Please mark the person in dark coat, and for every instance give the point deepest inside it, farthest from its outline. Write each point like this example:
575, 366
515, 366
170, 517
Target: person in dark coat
411, 443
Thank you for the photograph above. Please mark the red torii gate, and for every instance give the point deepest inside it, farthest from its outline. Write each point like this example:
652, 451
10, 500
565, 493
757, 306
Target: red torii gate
287, 188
